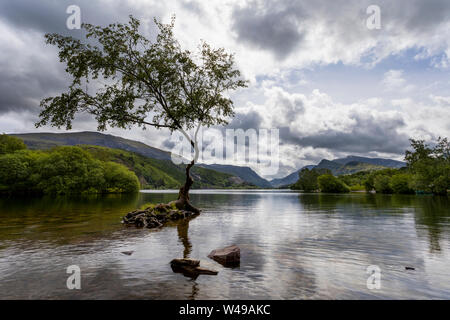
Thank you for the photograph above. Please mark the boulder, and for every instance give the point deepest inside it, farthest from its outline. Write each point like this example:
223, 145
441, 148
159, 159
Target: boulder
190, 268
229, 256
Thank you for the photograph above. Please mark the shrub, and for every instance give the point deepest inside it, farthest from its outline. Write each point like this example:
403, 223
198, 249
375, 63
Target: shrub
331, 184
10, 144
382, 184
63, 170
400, 183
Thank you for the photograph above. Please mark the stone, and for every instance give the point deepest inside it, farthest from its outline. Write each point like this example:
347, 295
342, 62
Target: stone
229, 256
128, 253
190, 268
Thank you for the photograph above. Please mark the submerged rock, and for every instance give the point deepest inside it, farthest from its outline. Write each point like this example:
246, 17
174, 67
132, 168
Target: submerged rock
128, 253
190, 268
155, 216
229, 256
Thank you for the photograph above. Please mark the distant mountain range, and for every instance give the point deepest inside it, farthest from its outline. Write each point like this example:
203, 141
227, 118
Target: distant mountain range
245, 173
235, 175
347, 165
47, 140
244, 176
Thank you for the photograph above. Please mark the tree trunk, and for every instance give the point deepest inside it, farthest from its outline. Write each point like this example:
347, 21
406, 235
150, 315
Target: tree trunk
183, 196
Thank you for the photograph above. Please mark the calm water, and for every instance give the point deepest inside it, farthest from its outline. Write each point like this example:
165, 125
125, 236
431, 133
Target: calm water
293, 246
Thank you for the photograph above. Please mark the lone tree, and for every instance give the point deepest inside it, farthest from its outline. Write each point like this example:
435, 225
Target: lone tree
144, 83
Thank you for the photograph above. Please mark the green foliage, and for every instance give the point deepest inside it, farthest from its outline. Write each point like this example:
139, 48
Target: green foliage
63, 170
143, 77
357, 187
375, 176
10, 144
382, 184
162, 174
430, 166
400, 183
331, 184
308, 179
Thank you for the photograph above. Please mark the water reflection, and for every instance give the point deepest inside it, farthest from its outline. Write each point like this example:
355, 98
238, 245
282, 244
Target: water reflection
293, 246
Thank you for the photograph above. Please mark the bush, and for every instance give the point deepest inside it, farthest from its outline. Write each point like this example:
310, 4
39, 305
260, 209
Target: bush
63, 170
400, 183
382, 184
331, 184
441, 185
357, 187
10, 144
308, 179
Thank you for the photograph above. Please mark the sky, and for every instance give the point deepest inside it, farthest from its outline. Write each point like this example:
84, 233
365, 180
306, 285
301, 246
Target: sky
330, 84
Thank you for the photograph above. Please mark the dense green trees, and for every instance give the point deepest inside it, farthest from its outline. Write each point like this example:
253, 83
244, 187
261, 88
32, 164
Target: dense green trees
63, 170
430, 166
427, 171
10, 144
331, 184
308, 179
401, 183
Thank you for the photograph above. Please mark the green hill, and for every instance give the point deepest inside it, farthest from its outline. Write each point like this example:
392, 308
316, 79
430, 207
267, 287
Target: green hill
46, 140
245, 173
348, 168
208, 176
163, 174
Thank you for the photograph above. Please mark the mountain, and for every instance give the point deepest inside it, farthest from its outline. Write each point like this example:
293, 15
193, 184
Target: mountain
375, 161
47, 140
289, 179
347, 165
338, 169
155, 173
245, 173
225, 176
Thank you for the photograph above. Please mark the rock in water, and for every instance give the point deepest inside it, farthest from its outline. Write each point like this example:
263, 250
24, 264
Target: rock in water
155, 216
128, 253
190, 268
228, 256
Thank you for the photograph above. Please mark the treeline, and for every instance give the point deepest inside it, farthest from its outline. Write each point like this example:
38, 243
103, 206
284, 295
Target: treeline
60, 170
427, 171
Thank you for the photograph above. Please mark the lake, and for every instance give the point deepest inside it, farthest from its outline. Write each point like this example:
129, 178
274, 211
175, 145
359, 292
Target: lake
293, 246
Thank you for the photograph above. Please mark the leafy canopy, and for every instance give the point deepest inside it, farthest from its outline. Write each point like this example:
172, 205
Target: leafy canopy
136, 79
10, 144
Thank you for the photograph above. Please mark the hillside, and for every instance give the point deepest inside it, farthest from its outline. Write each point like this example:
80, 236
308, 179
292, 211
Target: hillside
389, 163
163, 174
343, 166
289, 179
245, 173
48, 140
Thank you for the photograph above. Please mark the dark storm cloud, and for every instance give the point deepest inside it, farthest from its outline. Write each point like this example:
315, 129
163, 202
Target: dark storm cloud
367, 134
280, 26
416, 15
39, 75
269, 27
251, 120
51, 16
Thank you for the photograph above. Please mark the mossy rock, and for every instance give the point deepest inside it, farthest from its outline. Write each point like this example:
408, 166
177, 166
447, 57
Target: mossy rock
155, 215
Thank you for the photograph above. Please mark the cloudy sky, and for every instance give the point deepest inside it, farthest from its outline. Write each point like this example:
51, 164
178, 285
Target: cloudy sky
331, 85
